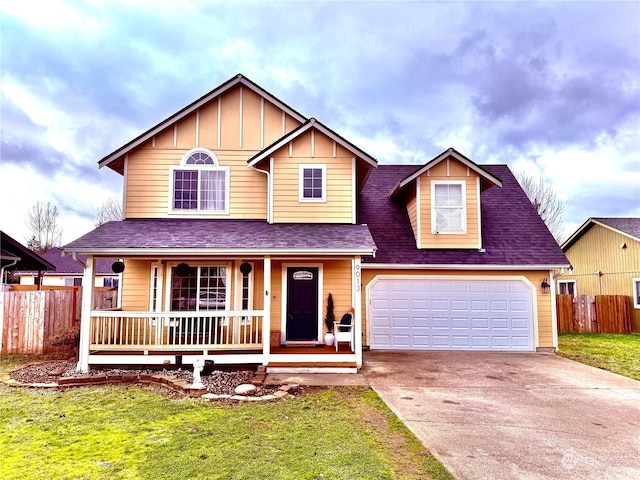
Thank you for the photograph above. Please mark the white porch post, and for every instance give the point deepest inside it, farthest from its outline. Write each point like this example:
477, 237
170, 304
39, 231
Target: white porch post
85, 321
356, 295
266, 319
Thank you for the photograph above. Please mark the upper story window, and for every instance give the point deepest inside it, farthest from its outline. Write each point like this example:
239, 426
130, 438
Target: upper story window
199, 184
448, 207
567, 287
313, 183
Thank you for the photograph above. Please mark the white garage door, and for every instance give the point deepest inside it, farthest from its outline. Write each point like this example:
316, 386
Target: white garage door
421, 314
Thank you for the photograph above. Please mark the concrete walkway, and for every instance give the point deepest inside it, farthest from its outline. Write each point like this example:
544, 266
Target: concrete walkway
508, 415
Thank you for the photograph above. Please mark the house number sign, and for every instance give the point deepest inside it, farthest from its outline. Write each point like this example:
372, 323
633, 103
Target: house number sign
357, 279
302, 275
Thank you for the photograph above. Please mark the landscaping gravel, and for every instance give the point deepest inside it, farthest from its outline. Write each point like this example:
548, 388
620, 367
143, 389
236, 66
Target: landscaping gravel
219, 382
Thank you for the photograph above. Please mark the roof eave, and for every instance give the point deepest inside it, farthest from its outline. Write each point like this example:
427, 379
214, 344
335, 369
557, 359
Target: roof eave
128, 252
435, 266
311, 123
449, 152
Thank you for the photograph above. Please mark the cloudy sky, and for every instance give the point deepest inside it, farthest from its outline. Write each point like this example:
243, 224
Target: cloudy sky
550, 88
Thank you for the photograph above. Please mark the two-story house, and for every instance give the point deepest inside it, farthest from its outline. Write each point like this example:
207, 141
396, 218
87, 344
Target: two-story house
242, 215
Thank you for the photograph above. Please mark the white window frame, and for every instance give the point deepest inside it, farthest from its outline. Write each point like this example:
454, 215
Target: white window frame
198, 168
636, 292
575, 286
196, 265
309, 166
463, 220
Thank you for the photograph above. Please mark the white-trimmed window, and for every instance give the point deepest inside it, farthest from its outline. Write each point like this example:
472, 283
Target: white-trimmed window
197, 288
567, 287
636, 293
312, 183
199, 184
448, 207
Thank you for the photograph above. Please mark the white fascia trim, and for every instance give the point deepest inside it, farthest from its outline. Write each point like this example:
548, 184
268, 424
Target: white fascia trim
418, 215
313, 123
450, 152
393, 266
353, 189
182, 252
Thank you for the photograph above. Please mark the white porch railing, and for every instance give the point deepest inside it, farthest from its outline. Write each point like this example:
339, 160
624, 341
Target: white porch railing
206, 330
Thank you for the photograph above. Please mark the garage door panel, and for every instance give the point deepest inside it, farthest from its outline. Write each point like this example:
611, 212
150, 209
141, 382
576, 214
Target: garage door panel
465, 314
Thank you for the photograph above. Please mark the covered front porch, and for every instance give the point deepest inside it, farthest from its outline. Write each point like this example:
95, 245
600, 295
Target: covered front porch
230, 311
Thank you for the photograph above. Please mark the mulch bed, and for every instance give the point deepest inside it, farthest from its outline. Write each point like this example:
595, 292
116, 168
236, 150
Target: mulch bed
219, 382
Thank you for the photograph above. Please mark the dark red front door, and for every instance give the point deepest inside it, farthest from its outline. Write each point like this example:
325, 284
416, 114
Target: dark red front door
302, 304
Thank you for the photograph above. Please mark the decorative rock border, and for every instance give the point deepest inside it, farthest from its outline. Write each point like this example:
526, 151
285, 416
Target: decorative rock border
175, 384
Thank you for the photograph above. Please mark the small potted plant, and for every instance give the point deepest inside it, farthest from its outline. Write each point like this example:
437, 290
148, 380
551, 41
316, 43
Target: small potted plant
328, 321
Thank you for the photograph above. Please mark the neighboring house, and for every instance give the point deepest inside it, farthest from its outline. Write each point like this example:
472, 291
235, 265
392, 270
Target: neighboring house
68, 272
242, 215
15, 256
605, 257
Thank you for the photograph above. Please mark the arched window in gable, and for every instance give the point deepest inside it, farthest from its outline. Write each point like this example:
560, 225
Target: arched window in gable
199, 184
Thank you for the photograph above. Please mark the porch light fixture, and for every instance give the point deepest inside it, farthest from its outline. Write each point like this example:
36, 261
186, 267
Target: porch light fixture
182, 270
546, 288
117, 267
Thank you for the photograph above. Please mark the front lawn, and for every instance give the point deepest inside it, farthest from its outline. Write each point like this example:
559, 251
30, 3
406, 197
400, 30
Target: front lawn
130, 432
616, 353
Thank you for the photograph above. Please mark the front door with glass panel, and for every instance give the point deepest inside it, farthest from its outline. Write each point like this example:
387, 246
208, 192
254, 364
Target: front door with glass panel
302, 304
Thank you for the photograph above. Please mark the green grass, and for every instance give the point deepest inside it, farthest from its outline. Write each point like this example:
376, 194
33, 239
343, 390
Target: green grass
616, 353
129, 432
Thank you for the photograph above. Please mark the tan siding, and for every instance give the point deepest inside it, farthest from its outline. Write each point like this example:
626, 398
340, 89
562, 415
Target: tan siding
135, 285
337, 282
457, 172
599, 250
147, 176
251, 120
208, 135
164, 139
338, 207
230, 121
543, 301
187, 132
272, 123
412, 208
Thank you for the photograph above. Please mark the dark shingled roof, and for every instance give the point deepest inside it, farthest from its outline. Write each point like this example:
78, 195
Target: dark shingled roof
630, 226
12, 250
68, 266
218, 234
512, 232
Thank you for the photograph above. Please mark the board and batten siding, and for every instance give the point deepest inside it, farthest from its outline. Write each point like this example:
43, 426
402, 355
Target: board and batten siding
543, 301
338, 207
234, 126
449, 170
599, 250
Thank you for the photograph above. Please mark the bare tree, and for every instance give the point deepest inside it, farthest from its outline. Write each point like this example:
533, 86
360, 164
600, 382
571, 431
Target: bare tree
46, 232
110, 210
543, 196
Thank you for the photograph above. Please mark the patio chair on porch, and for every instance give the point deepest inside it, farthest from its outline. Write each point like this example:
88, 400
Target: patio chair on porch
344, 331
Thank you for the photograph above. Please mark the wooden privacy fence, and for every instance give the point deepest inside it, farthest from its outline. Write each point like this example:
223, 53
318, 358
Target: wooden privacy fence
593, 314
32, 320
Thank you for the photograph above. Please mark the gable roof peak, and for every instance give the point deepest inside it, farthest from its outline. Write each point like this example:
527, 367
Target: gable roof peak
450, 152
239, 79
627, 226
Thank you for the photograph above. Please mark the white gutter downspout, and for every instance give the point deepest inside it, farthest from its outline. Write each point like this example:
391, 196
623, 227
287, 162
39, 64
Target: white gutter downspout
269, 188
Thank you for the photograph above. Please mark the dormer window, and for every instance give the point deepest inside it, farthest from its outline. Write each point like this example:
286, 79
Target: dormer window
448, 207
199, 184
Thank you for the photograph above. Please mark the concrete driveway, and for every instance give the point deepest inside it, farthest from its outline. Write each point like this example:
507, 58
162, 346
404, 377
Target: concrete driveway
513, 415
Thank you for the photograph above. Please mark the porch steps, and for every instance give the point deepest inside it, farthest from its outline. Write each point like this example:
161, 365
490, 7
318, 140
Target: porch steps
297, 368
